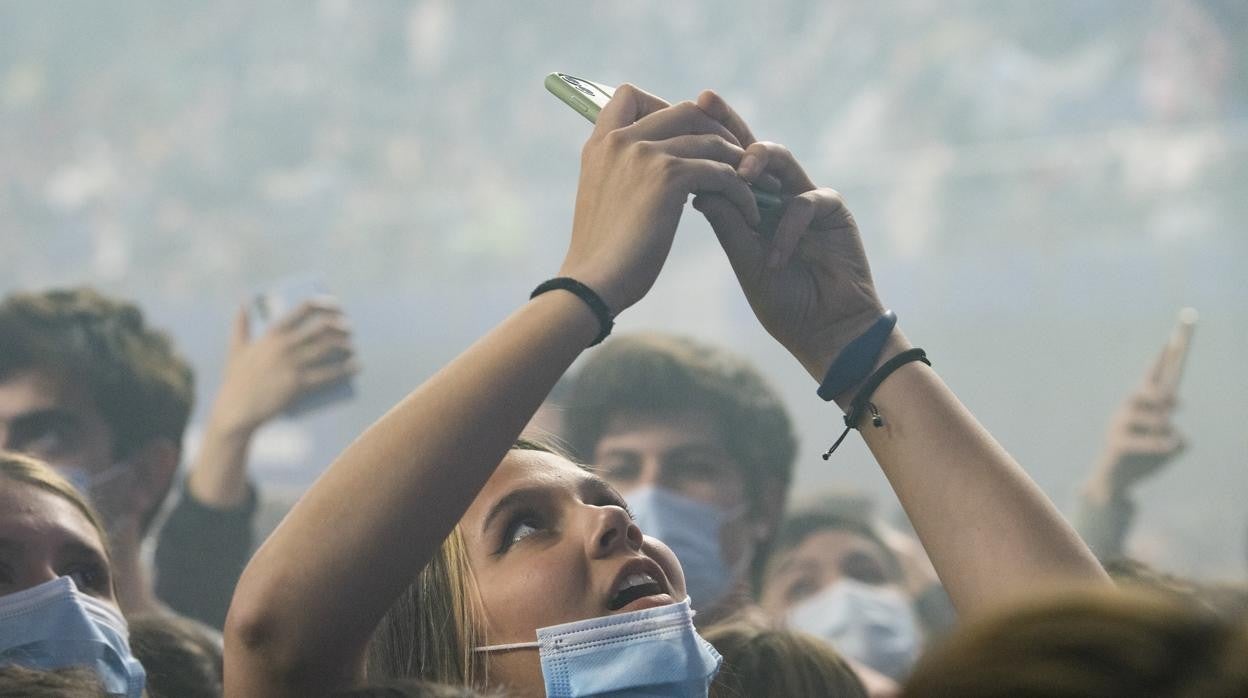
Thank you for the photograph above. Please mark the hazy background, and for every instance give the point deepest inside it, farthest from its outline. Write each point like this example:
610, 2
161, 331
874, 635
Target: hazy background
1041, 185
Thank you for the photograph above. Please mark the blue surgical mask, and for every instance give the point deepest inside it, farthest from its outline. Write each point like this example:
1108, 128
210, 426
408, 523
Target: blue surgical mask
872, 624
651, 652
53, 625
87, 482
692, 530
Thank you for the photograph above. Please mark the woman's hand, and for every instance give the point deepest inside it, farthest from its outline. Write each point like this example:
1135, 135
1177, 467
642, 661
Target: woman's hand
803, 270
638, 168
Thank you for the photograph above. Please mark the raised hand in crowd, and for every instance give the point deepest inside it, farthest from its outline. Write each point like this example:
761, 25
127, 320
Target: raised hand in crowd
307, 351
207, 540
990, 531
1140, 442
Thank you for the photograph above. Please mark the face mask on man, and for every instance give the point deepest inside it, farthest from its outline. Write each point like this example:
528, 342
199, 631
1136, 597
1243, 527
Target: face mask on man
651, 652
107, 500
53, 625
871, 624
692, 530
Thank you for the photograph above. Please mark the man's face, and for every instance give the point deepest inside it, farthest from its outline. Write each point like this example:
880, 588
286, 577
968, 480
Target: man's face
49, 417
683, 452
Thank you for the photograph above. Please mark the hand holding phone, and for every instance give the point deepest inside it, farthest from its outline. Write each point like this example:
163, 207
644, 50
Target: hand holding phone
297, 334
1141, 439
588, 98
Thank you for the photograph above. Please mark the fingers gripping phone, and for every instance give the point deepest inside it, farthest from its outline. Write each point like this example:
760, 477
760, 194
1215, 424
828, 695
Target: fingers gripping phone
1168, 370
588, 98
274, 304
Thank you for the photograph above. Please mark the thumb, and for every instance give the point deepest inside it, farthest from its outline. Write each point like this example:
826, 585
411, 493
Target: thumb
240, 331
740, 242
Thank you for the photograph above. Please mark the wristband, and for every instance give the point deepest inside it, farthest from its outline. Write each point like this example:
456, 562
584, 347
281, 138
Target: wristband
585, 293
862, 401
856, 359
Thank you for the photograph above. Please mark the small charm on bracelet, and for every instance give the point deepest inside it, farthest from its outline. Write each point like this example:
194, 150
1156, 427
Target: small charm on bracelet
876, 419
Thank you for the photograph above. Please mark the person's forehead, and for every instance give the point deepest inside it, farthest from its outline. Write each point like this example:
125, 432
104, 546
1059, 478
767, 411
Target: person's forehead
37, 389
526, 469
33, 515
661, 430
830, 545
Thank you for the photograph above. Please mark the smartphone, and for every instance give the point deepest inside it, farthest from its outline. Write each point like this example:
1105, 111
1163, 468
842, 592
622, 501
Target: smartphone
588, 98
1170, 369
273, 304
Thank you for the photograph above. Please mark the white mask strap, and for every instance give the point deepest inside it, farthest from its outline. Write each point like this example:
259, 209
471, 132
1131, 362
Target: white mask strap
508, 647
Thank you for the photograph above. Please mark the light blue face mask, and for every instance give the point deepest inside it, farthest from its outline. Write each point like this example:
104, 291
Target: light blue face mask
651, 652
53, 625
872, 624
692, 530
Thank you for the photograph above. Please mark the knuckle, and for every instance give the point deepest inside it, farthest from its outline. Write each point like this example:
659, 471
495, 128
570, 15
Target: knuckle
615, 140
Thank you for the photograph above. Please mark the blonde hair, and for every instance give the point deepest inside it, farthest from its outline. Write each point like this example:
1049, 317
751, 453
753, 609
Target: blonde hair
1090, 643
25, 470
431, 629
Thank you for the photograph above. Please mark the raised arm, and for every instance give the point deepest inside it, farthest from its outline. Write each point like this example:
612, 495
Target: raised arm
204, 545
314, 592
1140, 442
989, 530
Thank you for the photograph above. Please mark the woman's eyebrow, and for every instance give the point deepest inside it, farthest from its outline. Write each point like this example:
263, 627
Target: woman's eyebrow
532, 495
594, 487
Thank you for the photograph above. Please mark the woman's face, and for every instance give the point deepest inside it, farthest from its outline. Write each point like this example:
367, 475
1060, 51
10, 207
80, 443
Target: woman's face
821, 559
550, 543
42, 537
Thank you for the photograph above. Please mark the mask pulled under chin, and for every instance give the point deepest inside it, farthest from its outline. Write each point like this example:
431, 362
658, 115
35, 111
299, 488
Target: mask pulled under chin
652, 652
872, 624
54, 625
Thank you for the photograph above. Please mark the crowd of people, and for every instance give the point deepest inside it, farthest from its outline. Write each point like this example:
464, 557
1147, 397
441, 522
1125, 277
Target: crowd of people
509, 528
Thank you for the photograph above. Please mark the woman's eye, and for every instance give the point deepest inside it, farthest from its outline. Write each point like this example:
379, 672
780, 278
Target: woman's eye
522, 531
89, 577
800, 590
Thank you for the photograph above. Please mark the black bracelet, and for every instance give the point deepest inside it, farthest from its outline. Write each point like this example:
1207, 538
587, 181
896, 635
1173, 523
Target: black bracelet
585, 293
862, 401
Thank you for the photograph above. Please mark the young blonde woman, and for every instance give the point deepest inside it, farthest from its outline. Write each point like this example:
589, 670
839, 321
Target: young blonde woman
513, 567
58, 604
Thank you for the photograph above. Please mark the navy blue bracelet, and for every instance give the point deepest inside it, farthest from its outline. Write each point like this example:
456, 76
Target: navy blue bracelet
856, 360
585, 293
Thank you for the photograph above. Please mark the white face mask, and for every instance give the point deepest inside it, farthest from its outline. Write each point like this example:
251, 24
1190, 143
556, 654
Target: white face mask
871, 624
651, 652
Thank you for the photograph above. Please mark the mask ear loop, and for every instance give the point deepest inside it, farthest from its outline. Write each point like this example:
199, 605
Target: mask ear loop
508, 647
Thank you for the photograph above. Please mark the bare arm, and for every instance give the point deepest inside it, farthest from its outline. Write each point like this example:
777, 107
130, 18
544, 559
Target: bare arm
989, 530
311, 597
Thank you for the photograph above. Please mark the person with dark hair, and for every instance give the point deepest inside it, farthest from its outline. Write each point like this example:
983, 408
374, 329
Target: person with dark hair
182, 660
1090, 644
522, 571
700, 445
88, 386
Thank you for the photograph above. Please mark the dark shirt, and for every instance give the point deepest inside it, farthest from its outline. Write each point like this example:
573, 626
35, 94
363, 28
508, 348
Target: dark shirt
200, 554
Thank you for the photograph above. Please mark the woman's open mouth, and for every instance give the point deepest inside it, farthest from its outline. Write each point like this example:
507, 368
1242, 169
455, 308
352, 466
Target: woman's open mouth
636, 591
